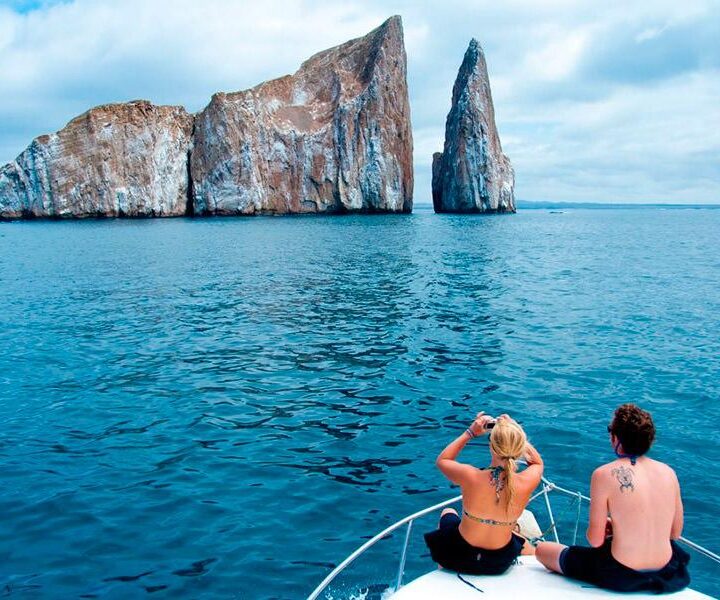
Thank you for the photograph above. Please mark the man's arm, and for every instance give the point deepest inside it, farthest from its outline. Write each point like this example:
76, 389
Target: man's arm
677, 525
598, 509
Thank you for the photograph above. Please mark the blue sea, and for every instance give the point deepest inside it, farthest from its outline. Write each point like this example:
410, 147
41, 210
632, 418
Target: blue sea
227, 407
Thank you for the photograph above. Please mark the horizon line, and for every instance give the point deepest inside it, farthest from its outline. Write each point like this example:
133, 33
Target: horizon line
534, 204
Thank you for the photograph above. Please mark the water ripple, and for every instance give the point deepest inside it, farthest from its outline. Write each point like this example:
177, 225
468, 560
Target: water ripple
227, 407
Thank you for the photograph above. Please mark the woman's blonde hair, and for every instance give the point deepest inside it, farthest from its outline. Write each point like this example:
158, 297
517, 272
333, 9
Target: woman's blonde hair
507, 441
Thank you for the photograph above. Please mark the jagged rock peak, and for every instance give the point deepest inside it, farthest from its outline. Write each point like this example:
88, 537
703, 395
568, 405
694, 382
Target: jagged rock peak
125, 159
333, 137
472, 174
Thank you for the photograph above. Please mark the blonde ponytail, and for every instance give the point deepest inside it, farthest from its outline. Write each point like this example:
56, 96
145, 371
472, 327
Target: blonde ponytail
509, 483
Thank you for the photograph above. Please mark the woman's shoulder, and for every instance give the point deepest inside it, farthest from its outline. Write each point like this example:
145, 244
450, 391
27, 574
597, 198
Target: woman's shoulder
531, 475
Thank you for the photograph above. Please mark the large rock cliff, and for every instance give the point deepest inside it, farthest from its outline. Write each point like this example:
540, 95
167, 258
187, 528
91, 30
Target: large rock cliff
472, 174
115, 160
334, 137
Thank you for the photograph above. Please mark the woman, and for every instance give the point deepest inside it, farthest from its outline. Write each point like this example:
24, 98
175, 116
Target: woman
635, 551
482, 542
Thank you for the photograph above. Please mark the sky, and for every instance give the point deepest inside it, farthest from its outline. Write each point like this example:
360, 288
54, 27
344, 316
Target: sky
615, 102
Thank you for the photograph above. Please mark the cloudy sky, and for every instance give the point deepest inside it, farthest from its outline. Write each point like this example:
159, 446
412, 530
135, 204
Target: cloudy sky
611, 102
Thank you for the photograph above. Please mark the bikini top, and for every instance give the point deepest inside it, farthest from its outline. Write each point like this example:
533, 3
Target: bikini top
485, 521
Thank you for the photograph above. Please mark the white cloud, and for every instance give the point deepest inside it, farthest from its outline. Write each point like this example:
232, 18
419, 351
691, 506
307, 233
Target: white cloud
559, 57
579, 119
645, 144
651, 33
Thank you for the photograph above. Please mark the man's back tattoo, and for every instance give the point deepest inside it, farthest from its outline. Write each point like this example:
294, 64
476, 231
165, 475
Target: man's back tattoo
624, 475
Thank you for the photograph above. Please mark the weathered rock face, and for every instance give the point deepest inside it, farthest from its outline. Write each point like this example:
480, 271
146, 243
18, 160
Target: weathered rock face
334, 137
115, 160
472, 174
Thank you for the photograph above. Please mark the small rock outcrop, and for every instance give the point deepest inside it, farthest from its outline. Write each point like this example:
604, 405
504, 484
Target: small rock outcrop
115, 160
334, 137
472, 175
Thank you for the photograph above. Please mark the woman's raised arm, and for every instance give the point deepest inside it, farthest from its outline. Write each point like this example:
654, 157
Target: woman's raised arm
455, 471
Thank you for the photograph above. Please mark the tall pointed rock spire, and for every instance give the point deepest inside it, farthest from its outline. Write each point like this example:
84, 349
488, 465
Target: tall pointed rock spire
472, 174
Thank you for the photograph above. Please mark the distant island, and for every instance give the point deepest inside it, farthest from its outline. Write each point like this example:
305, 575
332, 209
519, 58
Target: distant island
547, 204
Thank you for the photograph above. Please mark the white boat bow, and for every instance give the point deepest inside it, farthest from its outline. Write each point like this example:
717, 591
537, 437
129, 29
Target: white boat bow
528, 576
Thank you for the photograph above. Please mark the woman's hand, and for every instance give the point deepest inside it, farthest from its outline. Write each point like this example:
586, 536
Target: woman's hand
531, 455
507, 417
479, 425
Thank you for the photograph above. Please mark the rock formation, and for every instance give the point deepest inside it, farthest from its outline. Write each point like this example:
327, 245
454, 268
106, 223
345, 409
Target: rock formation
334, 137
115, 160
472, 174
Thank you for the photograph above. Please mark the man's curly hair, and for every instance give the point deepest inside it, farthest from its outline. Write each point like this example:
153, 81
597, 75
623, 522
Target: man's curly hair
634, 428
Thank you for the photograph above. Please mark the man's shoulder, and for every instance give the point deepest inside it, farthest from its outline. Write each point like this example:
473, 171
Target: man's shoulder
609, 471
661, 467
605, 469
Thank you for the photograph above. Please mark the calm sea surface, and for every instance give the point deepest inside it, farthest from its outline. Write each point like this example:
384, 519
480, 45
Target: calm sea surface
226, 408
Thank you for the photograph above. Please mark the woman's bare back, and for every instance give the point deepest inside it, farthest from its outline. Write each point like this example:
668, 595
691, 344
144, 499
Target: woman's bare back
480, 500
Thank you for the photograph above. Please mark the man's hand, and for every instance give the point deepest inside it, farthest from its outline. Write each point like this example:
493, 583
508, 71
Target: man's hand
608, 528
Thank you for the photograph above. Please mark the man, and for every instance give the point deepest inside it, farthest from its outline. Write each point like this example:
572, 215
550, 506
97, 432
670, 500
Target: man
634, 551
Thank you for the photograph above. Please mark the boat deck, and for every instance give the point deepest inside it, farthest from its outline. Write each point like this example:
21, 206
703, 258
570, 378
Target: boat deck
527, 577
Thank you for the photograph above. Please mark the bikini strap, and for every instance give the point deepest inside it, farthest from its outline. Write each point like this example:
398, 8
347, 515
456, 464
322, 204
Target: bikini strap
489, 521
633, 457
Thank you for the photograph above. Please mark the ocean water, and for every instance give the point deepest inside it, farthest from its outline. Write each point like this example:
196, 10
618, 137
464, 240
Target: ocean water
225, 408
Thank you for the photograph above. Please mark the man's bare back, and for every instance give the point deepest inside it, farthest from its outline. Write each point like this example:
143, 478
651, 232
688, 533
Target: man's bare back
635, 514
643, 501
